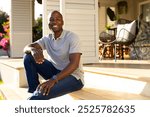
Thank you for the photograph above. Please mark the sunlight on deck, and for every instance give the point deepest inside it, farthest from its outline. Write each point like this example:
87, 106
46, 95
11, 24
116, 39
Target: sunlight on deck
112, 83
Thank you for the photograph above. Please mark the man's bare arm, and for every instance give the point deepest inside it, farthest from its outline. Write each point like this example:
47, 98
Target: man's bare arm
72, 66
30, 47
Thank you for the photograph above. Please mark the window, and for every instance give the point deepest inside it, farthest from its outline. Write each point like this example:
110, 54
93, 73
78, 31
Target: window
144, 10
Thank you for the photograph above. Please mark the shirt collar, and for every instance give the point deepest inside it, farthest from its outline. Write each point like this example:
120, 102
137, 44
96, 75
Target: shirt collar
61, 36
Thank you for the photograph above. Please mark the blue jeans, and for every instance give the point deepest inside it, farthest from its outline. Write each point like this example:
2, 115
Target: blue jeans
47, 70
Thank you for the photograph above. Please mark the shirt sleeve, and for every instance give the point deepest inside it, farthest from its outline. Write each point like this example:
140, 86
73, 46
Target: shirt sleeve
41, 42
75, 45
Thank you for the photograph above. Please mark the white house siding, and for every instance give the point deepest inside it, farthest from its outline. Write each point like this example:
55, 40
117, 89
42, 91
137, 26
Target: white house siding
81, 17
20, 26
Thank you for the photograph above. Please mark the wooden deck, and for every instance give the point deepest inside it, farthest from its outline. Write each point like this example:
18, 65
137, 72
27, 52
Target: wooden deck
107, 80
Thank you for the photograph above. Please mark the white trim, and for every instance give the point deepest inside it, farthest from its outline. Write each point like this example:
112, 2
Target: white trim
63, 10
97, 31
44, 16
80, 1
10, 27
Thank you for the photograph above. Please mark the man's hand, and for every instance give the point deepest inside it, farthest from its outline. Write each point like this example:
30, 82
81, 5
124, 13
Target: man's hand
36, 51
38, 55
46, 86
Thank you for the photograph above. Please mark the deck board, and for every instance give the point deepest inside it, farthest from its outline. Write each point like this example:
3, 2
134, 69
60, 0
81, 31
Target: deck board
137, 71
112, 95
12, 93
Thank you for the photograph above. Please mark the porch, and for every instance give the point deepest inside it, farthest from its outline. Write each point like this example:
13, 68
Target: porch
107, 80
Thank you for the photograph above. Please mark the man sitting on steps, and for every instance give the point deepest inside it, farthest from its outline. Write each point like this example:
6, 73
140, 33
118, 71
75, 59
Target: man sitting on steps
62, 71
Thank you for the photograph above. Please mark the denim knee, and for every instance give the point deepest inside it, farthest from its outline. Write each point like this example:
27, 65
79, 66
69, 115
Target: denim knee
27, 58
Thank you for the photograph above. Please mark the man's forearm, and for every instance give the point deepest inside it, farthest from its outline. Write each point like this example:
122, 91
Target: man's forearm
31, 47
27, 49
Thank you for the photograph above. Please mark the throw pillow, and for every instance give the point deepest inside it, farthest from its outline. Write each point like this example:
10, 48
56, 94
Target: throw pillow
124, 29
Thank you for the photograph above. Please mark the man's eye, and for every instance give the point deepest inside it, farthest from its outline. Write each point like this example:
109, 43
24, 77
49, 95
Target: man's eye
57, 19
51, 20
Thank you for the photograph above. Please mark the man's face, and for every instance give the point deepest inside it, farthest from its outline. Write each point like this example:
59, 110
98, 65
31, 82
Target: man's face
56, 22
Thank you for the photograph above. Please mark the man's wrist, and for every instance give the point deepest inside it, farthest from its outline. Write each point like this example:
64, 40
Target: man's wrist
55, 78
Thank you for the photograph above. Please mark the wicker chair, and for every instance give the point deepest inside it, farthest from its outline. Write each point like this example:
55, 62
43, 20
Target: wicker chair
105, 39
123, 37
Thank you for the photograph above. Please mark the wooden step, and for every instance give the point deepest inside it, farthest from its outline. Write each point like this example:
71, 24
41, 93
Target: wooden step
117, 84
95, 94
135, 70
102, 81
12, 72
128, 76
11, 93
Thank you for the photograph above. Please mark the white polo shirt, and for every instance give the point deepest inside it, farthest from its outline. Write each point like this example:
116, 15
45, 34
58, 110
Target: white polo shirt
58, 50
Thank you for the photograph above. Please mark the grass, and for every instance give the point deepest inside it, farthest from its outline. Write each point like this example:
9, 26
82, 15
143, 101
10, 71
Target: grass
1, 97
1, 82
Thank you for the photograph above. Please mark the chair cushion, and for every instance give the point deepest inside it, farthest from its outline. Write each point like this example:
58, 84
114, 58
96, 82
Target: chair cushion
124, 30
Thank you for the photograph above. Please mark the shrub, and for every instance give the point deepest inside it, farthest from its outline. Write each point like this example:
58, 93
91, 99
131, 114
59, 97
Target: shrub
37, 29
4, 30
4, 42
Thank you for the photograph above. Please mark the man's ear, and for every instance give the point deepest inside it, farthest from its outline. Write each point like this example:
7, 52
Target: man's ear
49, 26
